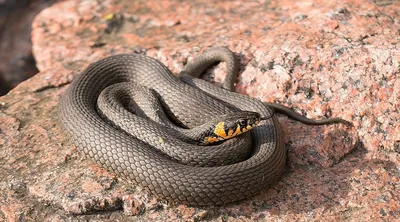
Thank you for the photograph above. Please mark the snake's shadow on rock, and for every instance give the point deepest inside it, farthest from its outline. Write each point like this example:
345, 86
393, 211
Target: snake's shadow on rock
303, 189
309, 189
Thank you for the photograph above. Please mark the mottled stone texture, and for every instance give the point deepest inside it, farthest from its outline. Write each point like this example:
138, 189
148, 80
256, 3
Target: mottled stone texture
323, 58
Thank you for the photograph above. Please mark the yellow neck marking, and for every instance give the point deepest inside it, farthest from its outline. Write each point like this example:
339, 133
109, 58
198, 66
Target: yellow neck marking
220, 131
210, 139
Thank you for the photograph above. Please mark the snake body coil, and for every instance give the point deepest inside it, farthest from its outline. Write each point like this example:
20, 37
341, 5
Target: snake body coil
188, 101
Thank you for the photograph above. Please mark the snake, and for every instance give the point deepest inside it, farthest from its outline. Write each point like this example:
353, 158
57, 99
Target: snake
132, 115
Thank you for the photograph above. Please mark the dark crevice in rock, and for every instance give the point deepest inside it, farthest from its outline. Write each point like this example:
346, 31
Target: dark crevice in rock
17, 63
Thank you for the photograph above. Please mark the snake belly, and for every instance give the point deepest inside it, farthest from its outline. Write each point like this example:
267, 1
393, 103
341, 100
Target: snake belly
189, 101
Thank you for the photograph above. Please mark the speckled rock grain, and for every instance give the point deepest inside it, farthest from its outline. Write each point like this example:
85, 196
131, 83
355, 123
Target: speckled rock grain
323, 58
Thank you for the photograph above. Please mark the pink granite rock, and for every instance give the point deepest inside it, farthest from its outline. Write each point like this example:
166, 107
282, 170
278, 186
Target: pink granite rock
323, 58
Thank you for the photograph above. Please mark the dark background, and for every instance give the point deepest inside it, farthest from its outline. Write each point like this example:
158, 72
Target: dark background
16, 60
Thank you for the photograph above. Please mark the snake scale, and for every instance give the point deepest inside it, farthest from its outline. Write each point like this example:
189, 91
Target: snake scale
190, 102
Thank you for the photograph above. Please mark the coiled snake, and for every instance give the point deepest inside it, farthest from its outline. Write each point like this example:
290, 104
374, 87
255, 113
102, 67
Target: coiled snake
185, 177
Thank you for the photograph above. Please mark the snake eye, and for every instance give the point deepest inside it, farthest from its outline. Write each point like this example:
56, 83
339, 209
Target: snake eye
242, 122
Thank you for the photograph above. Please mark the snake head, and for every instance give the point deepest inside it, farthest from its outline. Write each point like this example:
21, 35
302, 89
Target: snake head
231, 125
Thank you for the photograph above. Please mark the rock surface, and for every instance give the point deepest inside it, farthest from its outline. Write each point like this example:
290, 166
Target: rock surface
323, 58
